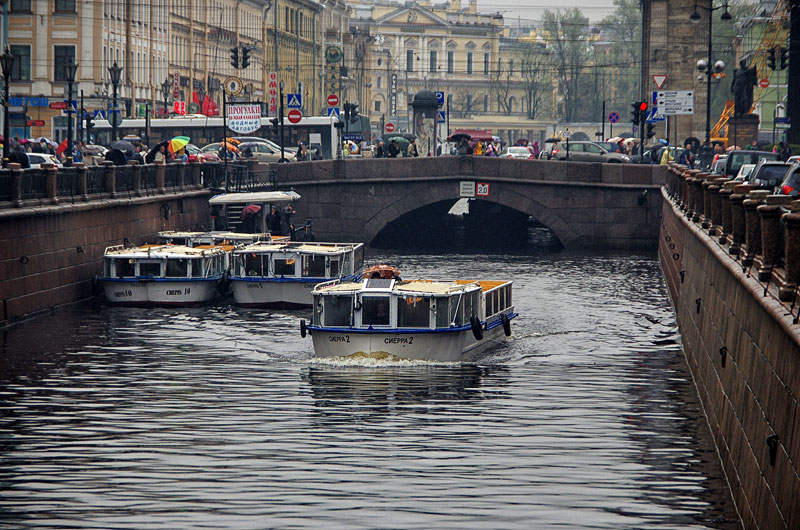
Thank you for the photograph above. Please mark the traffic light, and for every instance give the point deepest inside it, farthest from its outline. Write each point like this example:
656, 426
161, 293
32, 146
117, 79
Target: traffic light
635, 116
235, 57
274, 122
784, 58
89, 122
246, 56
771, 58
651, 130
353, 111
642, 112
347, 107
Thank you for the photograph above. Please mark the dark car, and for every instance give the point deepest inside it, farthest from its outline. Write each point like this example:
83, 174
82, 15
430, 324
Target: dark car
768, 174
737, 158
791, 182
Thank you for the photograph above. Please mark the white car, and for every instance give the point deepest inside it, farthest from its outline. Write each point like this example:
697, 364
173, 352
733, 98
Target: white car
37, 159
744, 172
517, 151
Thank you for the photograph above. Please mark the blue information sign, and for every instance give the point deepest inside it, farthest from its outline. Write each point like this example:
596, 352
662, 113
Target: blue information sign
440, 117
333, 111
440, 97
294, 101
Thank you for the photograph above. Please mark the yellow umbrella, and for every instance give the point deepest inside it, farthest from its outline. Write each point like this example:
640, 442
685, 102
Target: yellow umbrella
234, 141
177, 143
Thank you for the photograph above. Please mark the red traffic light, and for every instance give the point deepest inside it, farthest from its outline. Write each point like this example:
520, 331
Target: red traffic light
643, 105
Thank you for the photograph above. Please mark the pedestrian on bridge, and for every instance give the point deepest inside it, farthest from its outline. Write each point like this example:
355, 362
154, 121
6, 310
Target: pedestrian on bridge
412, 148
381, 151
394, 149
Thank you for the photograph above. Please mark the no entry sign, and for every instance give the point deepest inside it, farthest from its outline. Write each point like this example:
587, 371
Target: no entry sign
389, 127
333, 100
294, 116
764, 83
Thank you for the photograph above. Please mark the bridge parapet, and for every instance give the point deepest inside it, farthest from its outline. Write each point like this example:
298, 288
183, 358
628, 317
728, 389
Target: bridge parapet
469, 167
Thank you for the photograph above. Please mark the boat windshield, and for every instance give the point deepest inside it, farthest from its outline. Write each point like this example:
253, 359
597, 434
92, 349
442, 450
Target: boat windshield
337, 311
375, 311
413, 312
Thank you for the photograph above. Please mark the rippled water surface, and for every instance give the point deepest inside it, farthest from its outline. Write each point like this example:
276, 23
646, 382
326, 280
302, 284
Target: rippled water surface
219, 417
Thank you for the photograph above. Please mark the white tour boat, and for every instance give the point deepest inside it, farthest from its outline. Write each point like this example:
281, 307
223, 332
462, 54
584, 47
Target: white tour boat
283, 274
418, 319
164, 274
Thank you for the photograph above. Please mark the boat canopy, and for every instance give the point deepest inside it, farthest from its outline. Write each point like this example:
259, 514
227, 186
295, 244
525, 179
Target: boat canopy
256, 197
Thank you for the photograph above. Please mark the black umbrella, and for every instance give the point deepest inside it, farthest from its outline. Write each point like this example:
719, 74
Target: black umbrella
552, 140
151, 154
405, 136
117, 156
125, 146
456, 137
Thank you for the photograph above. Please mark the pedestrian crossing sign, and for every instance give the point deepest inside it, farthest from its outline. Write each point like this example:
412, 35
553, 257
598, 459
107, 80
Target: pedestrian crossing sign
294, 101
333, 112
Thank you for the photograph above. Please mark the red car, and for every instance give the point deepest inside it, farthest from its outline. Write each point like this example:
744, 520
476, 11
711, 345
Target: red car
195, 153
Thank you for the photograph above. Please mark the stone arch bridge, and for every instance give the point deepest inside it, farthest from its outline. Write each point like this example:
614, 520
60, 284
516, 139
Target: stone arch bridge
587, 205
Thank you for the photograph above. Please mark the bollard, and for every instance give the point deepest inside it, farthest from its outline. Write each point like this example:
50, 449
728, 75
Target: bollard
788, 284
81, 169
51, 183
111, 178
726, 224
770, 238
707, 194
136, 179
195, 169
160, 169
16, 183
737, 223
752, 237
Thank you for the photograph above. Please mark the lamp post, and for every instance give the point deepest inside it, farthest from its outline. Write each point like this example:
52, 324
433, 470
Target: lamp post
695, 18
115, 70
165, 86
69, 72
7, 61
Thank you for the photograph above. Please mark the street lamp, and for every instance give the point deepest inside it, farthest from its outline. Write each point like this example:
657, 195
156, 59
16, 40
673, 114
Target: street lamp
165, 86
115, 70
695, 18
7, 61
69, 72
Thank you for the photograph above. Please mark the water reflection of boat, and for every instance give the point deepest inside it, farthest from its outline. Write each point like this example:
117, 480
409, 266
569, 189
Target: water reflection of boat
163, 274
283, 274
419, 319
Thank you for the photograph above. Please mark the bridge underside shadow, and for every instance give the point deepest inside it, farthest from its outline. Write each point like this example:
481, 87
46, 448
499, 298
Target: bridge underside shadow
476, 226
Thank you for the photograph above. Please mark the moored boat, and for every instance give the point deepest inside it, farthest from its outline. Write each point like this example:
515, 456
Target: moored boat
163, 274
418, 319
283, 274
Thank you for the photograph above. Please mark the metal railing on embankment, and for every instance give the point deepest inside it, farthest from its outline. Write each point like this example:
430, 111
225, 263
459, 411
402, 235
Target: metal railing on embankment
79, 183
759, 230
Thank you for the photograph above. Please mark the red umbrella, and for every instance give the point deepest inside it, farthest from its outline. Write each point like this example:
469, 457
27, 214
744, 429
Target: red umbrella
62, 147
253, 209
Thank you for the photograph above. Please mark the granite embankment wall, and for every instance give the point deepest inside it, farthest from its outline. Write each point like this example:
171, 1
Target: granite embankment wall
731, 259
51, 247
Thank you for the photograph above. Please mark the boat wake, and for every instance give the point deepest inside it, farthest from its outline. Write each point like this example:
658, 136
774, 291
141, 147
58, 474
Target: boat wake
379, 359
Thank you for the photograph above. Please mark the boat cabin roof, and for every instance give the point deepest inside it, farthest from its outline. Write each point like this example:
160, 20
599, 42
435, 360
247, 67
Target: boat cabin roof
402, 287
256, 197
304, 248
163, 251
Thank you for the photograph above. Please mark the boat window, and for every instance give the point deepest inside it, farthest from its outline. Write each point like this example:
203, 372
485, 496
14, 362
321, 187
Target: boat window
337, 310
375, 310
108, 269
346, 264
316, 318
177, 268
149, 268
254, 266
413, 312
197, 268
126, 268
469, 308
313, 266
283, 266
334, 268
455, 310
358, 258
503, 298
442, 313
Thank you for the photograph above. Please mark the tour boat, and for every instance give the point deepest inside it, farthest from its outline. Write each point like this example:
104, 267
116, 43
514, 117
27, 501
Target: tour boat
164, 274
419, 319
193, 239
283, 274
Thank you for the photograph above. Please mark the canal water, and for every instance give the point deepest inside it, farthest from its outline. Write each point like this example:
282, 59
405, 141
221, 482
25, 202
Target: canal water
218, 417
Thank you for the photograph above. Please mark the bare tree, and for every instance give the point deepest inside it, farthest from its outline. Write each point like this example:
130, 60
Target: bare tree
501, 84
569, 41
533, 64
463, 102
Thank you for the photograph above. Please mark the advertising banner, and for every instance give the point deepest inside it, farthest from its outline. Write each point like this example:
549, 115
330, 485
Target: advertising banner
244, 118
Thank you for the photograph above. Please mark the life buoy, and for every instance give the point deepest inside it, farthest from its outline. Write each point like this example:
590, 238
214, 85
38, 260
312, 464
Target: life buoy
475, 323
506, 324
303, 330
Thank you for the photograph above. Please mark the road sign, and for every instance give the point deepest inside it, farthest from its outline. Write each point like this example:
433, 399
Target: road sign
466, 189
58, 105
233, 85
763, 83
99, 113
115, 118
294, 101
294, 116
482, 189
389, 127
440, 97
659, 80
441, 117
671, 102
613, 117
333, 101
36, 123
654, 116
783, 122
334, 112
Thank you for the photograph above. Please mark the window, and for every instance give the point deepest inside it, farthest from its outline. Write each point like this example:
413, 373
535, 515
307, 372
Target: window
433, 61
63, 55
485, 64
21, 69
409, 60
413, 312
450, 61
469, 62
283, 267
178, 268
313, 266
375, 311
65, 6
20, 6
337, 310
379, 81
149, 268
486, 103
377, 106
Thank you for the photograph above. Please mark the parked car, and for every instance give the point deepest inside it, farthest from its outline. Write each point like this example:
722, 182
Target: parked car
738, 157
517, 151
744, 172
586, 152
262, 152
37, 159
611, 147
768, 174
718, 167
791, 182
195, 153
795, 158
